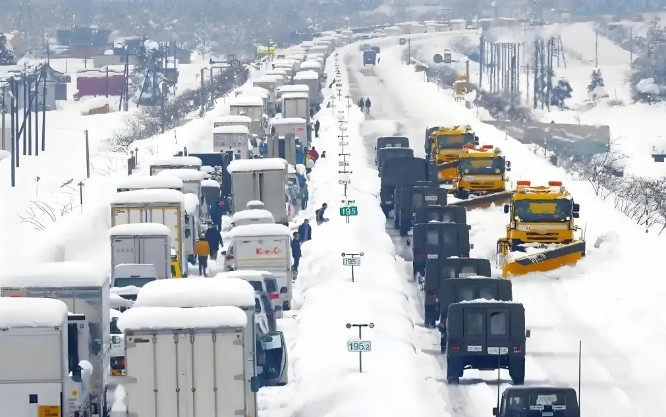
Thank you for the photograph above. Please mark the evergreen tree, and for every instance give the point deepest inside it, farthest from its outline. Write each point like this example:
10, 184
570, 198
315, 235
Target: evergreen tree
7, 57
596, 81
560, 92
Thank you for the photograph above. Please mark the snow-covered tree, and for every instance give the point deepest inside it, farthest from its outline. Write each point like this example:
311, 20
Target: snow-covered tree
596, 81
560, 92
7, 57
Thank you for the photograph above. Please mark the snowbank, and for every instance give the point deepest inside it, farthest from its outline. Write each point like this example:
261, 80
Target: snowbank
327, 380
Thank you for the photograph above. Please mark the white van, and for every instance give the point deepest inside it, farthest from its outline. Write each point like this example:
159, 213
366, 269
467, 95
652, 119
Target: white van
262, 281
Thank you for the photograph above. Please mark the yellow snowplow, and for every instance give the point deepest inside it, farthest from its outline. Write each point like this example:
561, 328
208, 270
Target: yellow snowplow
445, 144
481, 177
541, 234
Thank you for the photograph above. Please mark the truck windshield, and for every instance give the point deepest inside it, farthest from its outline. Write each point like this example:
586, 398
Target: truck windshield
131, 282
454, 141
481, 165
543, 210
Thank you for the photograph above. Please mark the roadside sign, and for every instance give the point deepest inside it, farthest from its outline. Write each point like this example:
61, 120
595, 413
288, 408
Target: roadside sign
360, 346
341, 182
354, 261
343, 143
403, 41
345, 177
437, 59
343, 163
349, 211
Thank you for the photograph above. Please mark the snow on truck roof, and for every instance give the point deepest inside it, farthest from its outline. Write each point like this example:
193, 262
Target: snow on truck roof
191, 202
210, 184
241, 165
306, 75
56, 274
250, 230
295, 95
155, 318
177, 161
185, 174
148, 181
148, 196
310, 64
248, 214
288, 120
236, 129
294, 87
140, 229
22, 312
196, 292
246, 100
234, 119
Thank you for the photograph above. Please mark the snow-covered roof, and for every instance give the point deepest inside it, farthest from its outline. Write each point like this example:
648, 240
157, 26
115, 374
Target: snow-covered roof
254, 204
284, 61
235, 129
21, 312
240, 165
307, 44
484, 300
140, 182
185, 174
210, 184
288, 120
155, 318
294, 88
310, 65
257, 92
299, 57
276, 71
246, 100
51, 274
196, 292
177, 161
98, 72
264, 80
306, 75
249, 214
140, 229
116, 301
295, 95
191, 202
259, 230
148, 196
234, 119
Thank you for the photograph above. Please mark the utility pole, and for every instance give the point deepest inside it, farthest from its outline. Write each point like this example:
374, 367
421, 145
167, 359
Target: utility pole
3, 111
203, 92
85, 132
596, 46
631, 47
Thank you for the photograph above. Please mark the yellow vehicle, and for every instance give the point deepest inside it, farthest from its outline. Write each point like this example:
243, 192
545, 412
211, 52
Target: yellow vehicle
175, 268
444, 145
541, 226
480, 171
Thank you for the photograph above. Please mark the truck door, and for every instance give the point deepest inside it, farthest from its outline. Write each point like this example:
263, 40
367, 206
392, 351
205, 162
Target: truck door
474, 330
432, 242
272, 193
125, 251
448, 244
498, 331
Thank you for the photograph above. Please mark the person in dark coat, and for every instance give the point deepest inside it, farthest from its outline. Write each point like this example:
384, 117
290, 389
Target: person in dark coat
296, 251
216, 211
305, 231
361, 103
320, 214
214, 239
367, 105
314, 155
317, 124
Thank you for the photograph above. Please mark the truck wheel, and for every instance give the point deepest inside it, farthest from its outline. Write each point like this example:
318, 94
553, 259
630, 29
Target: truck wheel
517, 370
453, 371
396, 222
442, 340
403, 231
462, 194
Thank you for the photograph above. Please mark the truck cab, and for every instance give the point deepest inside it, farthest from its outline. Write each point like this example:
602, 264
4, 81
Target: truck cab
481, 171
446, 143
539, 401
486, 336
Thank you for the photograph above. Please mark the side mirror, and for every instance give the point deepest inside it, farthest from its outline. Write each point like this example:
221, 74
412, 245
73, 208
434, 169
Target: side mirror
188, 233
506, 208
528, 333
224, 252
576, 208
575, 214
255, 382
187, 218
471, 246
76, 374
469, 227
495, 411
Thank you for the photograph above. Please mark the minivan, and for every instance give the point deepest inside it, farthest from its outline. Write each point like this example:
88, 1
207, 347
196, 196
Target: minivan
262, 281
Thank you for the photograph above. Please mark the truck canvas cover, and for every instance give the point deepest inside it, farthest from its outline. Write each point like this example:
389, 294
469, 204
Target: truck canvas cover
441, 240
392, 142
397, 172
385, 154
440, 213
455, 290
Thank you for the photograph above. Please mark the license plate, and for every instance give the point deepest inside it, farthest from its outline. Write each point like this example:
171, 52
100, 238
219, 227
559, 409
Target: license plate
431, 198
474, 348
498, 351
433, 256
388, 202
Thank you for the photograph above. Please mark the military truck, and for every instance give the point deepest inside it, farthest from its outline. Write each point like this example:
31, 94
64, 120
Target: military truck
412, 197
398, 172
384, 154
538, 401
486, 335
439, 240
460, 289
438, 270
391, 142
440, 213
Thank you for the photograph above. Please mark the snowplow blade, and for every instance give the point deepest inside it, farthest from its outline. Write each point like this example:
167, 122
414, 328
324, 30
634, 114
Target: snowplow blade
485, 201
546, 260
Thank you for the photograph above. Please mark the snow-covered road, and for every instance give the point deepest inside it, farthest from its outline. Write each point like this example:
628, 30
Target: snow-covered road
556, 308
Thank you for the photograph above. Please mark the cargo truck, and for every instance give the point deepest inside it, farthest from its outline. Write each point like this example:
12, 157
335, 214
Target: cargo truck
85, 289
175, 162
146, 182
296, 105
232, 138
41, 371
260, 179
142, 244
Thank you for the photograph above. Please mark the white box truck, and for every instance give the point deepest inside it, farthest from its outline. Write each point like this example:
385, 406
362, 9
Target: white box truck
85, 289
175, 162
143, 244
235, 138
185, 362
207, 292
292, 88
165, 207
251, 106
232, 120
282, 146
264, 247
146, 182
291, 125
260, 179
296, 105
39, 376
312, 80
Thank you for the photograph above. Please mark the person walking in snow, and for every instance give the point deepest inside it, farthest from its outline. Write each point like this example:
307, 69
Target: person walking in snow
367, 105
320, 214
361, 103
296, 251
304, 195
317, 124
202, 250
314, 155
214, 239
305, 231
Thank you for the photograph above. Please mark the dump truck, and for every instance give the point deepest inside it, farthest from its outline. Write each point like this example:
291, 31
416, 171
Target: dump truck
542, 234
481, 177
443, 145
